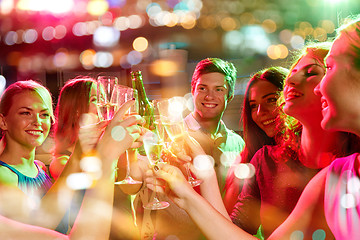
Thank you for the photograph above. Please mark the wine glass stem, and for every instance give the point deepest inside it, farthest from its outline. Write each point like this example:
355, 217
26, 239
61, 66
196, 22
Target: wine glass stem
155, 199
188, 172
127, 164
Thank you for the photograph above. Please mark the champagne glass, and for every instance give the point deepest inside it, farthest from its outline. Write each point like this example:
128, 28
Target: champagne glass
106, 89
171, 117
124, 94
153, 148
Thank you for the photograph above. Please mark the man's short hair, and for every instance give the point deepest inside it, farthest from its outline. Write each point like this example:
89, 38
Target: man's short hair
210, 65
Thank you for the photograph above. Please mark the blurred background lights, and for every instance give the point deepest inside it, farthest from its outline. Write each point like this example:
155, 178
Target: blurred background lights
87, 58
2, 83
118, 133
320, 34
124, 62
78, 181
107, 18
328, 25
92, 26
6, 6
135, 21
25, 64
79, 9
203, 162
279, 51
103, 59
134, 57
90, 164
140, 44
161, 18
48, 33
164, 68
153, 9
255, 40
297, 235
353, 185
97, 7
176, 107
19, 37
233, 40
53, 6
188, 21
297, 42
173, 20
249, 40
10, 38
285, 36
244, 170
62, 6
106, 36
269, 25
182, 5
79, 29
60, 32
207, 22
319, 234
117, 3
228, 158
122, 23
60, 59
228, 24
30, 36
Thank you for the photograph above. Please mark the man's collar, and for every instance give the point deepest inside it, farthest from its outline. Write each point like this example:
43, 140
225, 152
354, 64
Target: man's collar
194, 125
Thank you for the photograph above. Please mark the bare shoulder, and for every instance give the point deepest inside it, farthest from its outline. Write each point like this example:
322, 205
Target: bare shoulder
8, 177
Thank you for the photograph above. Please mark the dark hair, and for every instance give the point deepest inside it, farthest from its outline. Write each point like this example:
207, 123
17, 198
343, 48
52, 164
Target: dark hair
20, 87
210, 65
254, 136
73, 102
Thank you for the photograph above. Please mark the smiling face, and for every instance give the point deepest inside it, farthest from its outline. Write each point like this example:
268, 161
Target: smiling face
340, 89
210, 96
300, 99
28, 120
262, 100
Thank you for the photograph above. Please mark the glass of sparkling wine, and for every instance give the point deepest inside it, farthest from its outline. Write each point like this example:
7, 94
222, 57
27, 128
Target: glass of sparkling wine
120, 96
153, 148
106, 91
173, 122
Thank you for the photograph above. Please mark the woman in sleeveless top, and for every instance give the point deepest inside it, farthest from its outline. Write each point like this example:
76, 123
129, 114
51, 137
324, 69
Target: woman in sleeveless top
26, 119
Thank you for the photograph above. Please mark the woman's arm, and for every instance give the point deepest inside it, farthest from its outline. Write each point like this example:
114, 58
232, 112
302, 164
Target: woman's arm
213, 224
308, 214
209, 188
94, 218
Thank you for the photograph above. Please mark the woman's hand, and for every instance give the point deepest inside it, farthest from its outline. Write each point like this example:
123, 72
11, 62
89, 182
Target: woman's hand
120, 134
192, 154
170, 180
90, 132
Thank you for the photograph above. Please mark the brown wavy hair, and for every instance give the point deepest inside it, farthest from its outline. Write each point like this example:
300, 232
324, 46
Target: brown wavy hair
254, 137
73, 102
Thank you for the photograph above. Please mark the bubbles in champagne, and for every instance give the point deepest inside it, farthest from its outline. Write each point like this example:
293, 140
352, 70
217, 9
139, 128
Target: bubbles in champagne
152, 147
174, 129
106, 111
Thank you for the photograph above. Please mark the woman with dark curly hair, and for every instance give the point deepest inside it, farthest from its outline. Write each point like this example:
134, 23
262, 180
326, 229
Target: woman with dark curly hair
260, 118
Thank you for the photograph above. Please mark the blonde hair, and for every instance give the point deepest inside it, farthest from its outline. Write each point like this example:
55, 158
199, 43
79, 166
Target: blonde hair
22, 86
